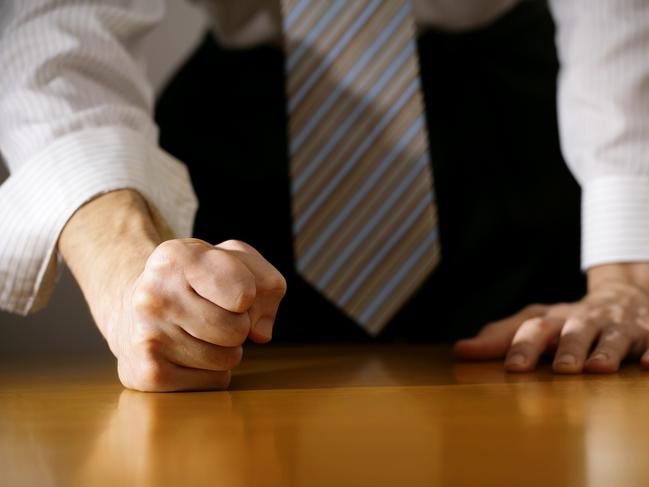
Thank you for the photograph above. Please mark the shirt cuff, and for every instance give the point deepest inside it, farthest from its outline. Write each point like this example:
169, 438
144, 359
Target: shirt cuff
615, 220
38, 199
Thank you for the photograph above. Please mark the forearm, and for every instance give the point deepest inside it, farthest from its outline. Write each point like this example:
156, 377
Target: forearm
106, 244
84, 129
603, 90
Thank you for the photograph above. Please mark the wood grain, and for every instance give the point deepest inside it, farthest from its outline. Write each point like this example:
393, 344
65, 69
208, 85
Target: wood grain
326, 416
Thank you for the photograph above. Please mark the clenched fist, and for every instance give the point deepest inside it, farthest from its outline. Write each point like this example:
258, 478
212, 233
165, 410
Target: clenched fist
176, 313
190, 311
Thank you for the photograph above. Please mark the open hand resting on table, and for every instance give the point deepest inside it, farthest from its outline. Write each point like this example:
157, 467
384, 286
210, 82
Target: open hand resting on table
175, 314
610, 324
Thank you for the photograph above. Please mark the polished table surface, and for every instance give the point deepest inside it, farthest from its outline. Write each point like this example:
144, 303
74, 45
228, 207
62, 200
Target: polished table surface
326, 416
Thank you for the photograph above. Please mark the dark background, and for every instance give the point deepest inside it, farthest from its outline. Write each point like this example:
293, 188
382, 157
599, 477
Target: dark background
473, 61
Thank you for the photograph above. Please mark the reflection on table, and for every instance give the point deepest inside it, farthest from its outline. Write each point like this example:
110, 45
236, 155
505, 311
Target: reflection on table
327, 416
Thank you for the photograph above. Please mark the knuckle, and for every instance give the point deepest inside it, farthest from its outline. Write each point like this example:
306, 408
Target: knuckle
576, 322
232, 357
237, 331
224, 381
150, 302
614, 332
207, 319
224, 329
597, 313
125, 374
152, 375
536, 324
166, 255
170, 247
147, 346
227, 263
233, 244
616, 312
574, 341
148, 374
543, 326
246, 294
241, 282
277, 284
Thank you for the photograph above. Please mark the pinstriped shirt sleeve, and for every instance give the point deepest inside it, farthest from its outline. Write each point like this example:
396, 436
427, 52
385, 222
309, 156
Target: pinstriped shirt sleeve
75, 122
604, 121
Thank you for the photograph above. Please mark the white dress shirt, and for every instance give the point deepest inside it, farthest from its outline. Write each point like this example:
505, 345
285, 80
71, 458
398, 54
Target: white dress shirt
76, 118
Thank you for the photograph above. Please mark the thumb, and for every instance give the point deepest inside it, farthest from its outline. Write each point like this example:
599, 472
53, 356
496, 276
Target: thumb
494, 339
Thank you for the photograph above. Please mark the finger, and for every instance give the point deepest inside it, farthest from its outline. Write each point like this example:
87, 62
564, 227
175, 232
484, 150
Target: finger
221, 278
187, 351
166, 301
530, 341
492, 342
270, 289
267, 278
162, 376
644, 360
494, 339
577, 336
208, 322
238, 245
613, 346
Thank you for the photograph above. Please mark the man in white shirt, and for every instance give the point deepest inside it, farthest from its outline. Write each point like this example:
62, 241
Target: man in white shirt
77, 134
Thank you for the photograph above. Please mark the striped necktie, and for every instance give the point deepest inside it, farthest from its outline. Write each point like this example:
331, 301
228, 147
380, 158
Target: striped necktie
364, 221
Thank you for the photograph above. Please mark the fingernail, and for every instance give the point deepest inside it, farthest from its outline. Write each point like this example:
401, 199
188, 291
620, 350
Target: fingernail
599, 356
517, 359
567, 359
264, 327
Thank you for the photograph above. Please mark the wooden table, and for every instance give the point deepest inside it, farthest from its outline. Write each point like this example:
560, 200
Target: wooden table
326, 416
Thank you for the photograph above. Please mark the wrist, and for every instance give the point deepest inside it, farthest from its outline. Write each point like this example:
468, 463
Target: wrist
106, 244
631, 273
